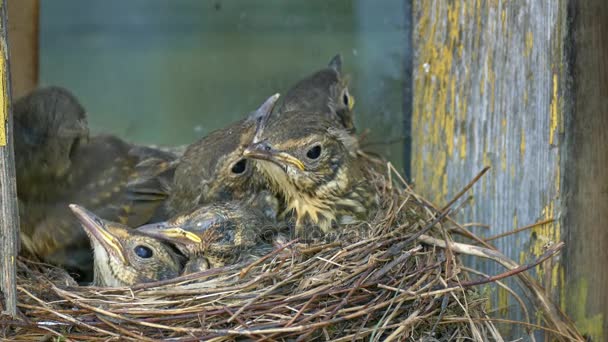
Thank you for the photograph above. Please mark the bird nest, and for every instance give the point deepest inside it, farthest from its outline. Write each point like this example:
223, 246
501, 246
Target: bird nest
398, 276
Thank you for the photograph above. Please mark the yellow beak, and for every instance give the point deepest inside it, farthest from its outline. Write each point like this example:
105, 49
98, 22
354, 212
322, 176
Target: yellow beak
263, 151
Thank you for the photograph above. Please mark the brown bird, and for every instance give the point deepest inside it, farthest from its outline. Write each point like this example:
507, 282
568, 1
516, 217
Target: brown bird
123, 256
218, 234
213, 169
49, 124
313, 166
324, 93
58, 164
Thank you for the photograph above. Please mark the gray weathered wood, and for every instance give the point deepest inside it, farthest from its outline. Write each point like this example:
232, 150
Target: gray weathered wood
489, 85
9, 216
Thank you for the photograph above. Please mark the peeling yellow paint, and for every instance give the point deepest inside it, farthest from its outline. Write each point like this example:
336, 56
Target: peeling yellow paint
436, 109
463, 146
577, 302
554, 118
529, 43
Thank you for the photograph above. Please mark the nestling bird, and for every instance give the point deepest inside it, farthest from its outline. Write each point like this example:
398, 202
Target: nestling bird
313, 166
217, 234
213, 169
324, 93
49, 126
123, 256
57, 164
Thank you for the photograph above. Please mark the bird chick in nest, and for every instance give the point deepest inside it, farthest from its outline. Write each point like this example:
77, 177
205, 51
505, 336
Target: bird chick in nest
325, 94
58, 163
125, 257
314, 167
218, 234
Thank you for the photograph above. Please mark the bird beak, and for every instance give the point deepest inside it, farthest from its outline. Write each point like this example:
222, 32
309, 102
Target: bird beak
351, 102
264, 151
95, 227
169, 233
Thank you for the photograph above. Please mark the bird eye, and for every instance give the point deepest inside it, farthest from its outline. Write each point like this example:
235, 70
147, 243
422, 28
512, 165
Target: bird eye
143, 252
239, 167
314, 152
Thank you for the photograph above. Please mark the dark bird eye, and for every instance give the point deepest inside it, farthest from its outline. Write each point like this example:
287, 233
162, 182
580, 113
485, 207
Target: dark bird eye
345, 99
239, 167
143, 252
314, 152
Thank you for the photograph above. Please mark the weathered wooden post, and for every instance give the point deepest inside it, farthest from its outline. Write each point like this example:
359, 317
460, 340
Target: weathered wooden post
9, 218
521, 86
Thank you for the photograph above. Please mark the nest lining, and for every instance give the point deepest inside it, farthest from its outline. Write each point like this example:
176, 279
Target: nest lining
397, 277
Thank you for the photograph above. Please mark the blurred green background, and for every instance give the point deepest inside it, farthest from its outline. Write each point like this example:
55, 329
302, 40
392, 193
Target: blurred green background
167, 72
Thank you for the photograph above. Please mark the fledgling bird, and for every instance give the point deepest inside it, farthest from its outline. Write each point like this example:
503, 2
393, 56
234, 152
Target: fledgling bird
324, 93
218, 234
58, 163
49, 124
125, 257
213, 169
314, 167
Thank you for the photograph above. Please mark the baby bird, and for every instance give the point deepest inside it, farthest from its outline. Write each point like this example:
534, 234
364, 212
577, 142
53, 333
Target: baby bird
125, 257
325, 94
58, 164
313, 166
213, 168
50, 125
217, 234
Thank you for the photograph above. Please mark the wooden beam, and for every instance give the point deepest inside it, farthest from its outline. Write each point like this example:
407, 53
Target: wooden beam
9, 215
586, 171
23, 19
490, 79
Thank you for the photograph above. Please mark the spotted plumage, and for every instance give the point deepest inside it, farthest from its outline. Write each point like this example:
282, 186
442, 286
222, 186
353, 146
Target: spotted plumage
313, 166
218, 233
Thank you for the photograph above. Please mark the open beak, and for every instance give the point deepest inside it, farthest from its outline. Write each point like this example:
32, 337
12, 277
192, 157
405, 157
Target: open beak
95, 228
264, 151
169, 233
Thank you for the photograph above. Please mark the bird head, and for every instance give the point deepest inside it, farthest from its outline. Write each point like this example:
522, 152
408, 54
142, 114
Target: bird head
326, 92
123, 256
50, 124
299, 152
214, 230
214, 169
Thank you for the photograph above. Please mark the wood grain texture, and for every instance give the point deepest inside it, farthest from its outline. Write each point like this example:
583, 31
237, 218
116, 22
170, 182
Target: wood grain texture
9, 215
489, 85
23, 41
586, 172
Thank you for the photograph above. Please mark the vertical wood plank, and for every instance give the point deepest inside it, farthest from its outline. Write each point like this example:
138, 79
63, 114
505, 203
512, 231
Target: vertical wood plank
23, 18
489, 83
586, 172
9, 216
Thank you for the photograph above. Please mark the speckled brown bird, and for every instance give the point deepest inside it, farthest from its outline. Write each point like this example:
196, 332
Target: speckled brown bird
103, 173
218, 234
213, 169
324, 93
125, 257
314, 167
